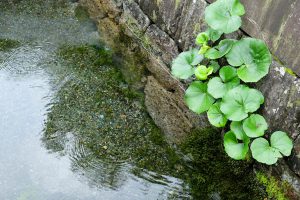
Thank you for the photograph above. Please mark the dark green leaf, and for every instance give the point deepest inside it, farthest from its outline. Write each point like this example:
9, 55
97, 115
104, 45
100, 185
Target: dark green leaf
227, 73
215, 65
214, 35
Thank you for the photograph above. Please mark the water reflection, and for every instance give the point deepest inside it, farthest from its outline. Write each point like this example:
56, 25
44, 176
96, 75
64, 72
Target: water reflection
56, 81
104, 130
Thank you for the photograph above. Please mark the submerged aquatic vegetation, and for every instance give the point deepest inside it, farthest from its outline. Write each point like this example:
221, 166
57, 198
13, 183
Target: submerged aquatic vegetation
94, 110
8, 44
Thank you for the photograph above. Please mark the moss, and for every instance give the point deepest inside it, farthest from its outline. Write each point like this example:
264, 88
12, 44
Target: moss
8, 44
81, 13
290, 71
274, 189
212, 172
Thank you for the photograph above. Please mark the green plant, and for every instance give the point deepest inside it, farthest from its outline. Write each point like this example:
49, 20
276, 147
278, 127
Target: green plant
223, 92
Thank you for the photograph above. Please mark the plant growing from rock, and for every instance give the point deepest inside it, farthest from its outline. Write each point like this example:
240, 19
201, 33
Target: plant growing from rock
222, 91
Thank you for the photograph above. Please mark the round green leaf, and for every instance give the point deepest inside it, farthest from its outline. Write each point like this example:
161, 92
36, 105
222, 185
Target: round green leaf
224, 15
215, 116
197, 98
227, 73
237, 129
182, 66
262, 152
255, 126
233, 148
222, 49
202, 38
254, 58
214, 35
239, 101
217, 88
281, 141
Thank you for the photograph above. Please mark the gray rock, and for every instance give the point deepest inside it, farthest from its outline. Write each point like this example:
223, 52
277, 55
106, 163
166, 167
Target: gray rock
162, 43
282, 95
169, 112
134, 17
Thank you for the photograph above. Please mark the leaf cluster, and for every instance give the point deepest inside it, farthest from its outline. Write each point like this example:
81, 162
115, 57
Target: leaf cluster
221, 90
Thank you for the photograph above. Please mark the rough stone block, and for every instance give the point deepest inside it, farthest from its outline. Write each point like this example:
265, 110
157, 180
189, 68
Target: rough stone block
162, 43
169, 113
134, 18
282, 96
164, 13
191, 23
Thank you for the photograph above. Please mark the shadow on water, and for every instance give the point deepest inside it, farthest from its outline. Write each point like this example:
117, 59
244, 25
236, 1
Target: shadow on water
102, 125
94, 120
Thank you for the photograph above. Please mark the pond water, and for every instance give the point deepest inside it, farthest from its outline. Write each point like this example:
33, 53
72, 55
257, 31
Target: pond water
73, 129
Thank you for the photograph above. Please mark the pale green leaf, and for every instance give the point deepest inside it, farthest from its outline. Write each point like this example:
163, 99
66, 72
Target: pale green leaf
224, 15
255, 126
234, 148
215, 116
237, 129
282, 142
239, 101
253, 57
219, 51
183, 65
197, 98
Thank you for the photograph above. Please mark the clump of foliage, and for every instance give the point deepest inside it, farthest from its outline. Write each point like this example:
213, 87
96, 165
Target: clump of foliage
221, 70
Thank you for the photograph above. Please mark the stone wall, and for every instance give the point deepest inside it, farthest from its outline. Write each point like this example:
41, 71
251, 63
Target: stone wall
159, 29
278, 23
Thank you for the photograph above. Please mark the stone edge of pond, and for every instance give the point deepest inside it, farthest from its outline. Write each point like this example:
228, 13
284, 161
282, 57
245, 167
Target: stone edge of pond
128, 26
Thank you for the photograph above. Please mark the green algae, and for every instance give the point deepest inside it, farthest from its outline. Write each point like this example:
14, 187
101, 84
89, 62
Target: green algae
110, 123
81, 13
274, 188
8, 44
212, 172
290, 71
